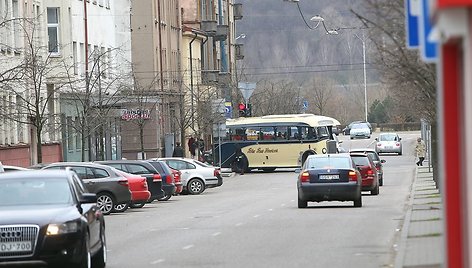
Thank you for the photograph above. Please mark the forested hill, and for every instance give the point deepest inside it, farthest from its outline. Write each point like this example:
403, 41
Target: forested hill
278, 43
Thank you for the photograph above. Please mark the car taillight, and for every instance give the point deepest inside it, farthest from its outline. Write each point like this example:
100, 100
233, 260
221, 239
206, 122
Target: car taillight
370, 173
397, 144
145, 186
352, 176
216, 172
305, 177
169, 179
156, 178
123, 182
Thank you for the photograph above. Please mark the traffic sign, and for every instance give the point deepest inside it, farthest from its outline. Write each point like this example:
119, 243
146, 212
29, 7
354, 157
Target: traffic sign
428, 47
246, 89
412, 10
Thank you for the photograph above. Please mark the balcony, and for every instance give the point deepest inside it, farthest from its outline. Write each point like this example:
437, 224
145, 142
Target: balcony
209, 77
210, 27
239, 51
222, 32
238, 11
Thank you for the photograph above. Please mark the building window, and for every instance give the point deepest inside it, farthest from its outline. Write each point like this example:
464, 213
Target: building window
78, 136
70, 133
53, 29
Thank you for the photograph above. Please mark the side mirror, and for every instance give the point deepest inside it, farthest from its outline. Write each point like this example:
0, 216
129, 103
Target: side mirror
383, 161
399, 139
88, 198
377, 139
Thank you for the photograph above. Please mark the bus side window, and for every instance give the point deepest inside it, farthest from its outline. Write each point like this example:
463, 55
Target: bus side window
311, 134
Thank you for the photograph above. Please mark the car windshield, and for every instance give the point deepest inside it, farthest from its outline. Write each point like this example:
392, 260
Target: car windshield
388, 137
328, 162
34, 191
360, 126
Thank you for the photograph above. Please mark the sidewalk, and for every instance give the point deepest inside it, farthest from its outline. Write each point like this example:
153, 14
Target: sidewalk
422, 234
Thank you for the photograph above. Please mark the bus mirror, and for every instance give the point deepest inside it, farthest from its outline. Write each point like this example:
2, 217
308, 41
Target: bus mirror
298, 170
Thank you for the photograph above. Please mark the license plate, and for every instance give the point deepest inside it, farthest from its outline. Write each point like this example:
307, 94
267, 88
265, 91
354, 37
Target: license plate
388, 147
329, 177
20, 246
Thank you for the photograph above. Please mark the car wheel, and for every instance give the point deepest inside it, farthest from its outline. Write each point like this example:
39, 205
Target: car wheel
105, 202
195, 186
137, 205
376, 190
358, 202
120, 207
165, 198
352, 138
302, 203
100, 259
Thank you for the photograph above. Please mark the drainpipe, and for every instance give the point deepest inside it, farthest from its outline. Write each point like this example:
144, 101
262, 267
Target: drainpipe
191, 80
224, 64
160, 44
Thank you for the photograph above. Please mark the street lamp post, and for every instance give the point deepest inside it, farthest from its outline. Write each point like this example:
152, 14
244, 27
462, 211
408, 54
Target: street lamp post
365, 74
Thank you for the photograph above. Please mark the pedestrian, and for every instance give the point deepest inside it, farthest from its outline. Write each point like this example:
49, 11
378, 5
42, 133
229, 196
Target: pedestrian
191, 146
178, 150
420, 149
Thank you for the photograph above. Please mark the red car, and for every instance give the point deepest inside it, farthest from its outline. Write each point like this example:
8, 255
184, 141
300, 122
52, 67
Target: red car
140, 193
178, 183
370, 177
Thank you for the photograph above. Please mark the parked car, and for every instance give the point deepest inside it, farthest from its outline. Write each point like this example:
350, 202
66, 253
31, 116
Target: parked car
366, 166
139, 191
389, 143
360, 130
329, 177
375, 157
177, 180
168, 183
111, 188
47, 217
196, 176
142, 168
7, 168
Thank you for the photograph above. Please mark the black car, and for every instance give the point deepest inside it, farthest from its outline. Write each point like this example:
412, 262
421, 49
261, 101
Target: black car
47, 217
143, 168
329, 177
168, 184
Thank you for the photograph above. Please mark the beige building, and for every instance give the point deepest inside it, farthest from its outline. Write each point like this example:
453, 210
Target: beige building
156, 54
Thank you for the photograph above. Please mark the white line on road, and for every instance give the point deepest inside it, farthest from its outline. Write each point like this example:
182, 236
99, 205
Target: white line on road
293, 200
239, 224
158, 261
216, 234
188, 247
283, 205
271, 209
257, 216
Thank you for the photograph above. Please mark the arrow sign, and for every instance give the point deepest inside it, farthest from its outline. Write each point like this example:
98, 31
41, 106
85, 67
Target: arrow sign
246, 89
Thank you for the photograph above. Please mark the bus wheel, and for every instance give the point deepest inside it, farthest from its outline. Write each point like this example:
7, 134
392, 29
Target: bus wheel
268, 169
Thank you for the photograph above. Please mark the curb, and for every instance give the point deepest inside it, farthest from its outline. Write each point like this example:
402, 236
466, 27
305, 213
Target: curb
401, 249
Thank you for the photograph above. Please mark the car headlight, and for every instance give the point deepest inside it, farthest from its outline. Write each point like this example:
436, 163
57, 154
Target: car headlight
62, 228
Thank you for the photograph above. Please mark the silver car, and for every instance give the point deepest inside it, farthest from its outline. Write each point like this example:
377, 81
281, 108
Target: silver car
360, 130
196, 176
389, 143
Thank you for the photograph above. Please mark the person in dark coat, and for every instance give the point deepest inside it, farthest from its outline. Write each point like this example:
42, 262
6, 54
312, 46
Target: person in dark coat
178, 150
192, 146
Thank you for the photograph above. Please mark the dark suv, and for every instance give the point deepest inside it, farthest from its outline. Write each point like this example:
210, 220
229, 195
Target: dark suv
168, 184
143, 168
110, 187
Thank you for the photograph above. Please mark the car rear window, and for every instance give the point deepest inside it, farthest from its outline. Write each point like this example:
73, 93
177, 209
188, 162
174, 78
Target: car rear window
138, 169
388, 137
373, 155
328, 162
361, 160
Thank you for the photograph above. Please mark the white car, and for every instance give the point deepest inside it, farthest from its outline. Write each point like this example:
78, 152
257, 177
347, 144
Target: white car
360, 130
389, 143
196, 176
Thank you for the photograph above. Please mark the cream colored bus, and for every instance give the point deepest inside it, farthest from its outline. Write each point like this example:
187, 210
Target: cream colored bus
275, 141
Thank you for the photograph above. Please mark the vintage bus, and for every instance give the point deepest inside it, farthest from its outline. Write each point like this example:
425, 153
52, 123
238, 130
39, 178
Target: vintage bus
274, 141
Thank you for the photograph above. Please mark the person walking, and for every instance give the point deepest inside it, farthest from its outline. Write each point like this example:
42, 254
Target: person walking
191, 146
420, 149
178, 150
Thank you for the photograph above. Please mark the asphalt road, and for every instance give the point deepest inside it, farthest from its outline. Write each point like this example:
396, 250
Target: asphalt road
253, 221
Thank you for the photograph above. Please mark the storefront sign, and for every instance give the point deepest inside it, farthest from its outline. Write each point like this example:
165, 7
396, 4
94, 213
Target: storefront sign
132, 114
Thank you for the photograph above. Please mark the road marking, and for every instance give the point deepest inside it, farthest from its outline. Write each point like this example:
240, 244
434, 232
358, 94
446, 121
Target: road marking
183, 228
293, 200
188, 247
271, 209
257, 216
216, 234
239, 224
283, 205
158, 261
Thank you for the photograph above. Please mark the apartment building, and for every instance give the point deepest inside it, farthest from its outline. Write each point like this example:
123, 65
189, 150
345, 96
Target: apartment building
156, 52
53, 46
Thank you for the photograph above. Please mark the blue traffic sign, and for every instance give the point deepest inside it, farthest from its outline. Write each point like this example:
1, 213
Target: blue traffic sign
428, 47
412, 10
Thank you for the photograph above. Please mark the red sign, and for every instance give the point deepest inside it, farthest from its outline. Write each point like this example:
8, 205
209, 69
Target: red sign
135, 114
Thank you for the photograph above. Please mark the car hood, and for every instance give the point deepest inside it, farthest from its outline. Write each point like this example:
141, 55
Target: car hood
40, 215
